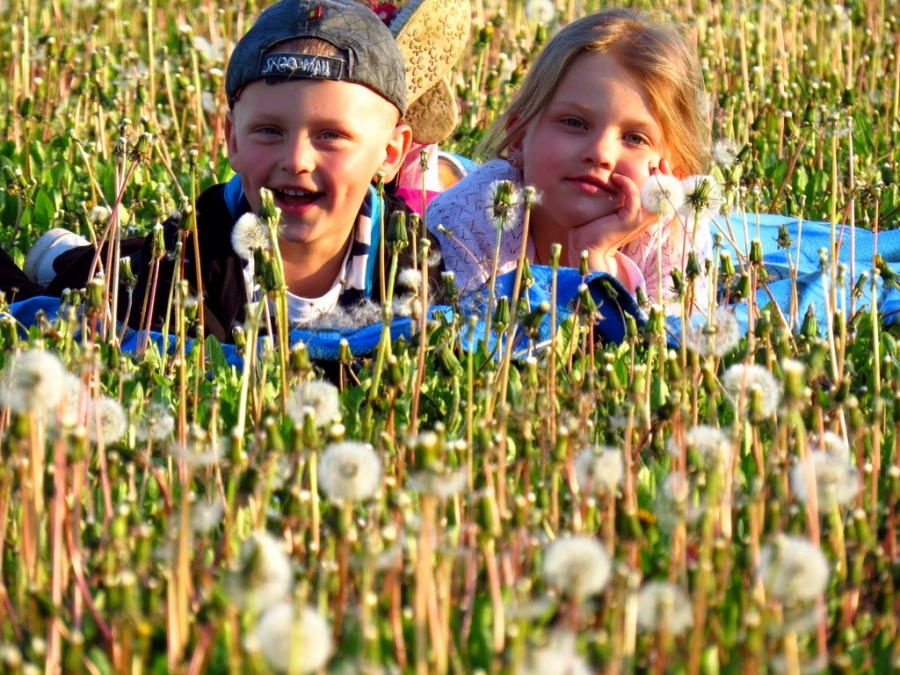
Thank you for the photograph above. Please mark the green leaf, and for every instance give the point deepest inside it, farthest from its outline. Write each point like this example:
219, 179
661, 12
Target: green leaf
43, 210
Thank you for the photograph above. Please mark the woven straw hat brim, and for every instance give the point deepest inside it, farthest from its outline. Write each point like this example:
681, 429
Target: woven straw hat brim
433, 116
431, 35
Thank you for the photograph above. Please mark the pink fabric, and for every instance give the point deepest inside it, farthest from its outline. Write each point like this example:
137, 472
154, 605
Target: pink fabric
413, 198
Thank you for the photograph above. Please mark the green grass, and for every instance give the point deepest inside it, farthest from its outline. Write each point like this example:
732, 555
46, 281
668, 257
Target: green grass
442, 569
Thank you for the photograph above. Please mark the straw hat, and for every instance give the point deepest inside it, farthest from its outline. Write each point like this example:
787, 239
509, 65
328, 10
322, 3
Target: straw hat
431, 35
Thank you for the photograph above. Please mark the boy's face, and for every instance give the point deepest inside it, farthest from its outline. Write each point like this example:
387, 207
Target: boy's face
317, 145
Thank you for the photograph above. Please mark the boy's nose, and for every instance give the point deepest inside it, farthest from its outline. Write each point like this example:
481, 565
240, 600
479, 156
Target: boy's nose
298, 156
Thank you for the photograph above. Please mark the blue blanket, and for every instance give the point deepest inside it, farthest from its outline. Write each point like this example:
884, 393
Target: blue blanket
613, 300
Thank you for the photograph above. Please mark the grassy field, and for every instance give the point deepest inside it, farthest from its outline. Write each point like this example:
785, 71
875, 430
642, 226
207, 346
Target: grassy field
623, 508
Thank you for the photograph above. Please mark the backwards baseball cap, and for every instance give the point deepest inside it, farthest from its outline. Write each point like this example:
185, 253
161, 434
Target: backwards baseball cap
370, 55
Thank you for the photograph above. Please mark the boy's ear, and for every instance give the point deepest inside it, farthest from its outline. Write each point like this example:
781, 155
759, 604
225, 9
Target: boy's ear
230, 135
395, 151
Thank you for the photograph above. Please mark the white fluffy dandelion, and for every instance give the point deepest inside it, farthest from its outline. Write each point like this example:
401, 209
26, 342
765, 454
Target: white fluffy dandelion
703, 198
675, 502
558, 656
599, 469
440, 483
108, 416
833, 444
206, 515
296, 641
409, 277
577, 565
741, 380
504, 202
716, 336
835, 480
74, 395
199, 451
724, 152
322, 398
350, 471
663, 604
248, 235
264, 573
540, 11
32, 382
793, 569
711, 443
156, 423
662, 194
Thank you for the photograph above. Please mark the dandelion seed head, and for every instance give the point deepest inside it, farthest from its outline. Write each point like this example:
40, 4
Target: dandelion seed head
793, 569
405, 305
321, 397
74, 394
558, 655
578, 565
833, 444
703, 198
439, 482
724, 152
599, 469
275, 634
199, 451
264, 573
540, 11
741, 380
156, 422
674, 502
409, 278
711, 443
208, 102
661, 604
662, 194
205, 516
504, 202
99, 214
718, 335
107, 415
835, 480
248, 235
32, 382
350, 471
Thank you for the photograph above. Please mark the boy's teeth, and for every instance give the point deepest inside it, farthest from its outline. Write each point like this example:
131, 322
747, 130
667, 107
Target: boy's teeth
296, 193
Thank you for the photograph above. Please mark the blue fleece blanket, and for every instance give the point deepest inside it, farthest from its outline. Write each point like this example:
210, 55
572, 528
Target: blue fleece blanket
614, 301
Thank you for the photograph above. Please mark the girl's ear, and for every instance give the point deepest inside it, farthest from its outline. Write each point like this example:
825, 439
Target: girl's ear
515, 152
395, 151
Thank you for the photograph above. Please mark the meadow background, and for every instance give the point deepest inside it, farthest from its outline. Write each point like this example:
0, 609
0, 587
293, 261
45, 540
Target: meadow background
726, 506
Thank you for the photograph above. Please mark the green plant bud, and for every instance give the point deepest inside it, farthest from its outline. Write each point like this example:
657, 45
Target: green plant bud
26, 106
93, 301
240, 339
527, 275
583, 267
492, 81
639, 381
631, 329
555, 253
300, 361
743, 288
726, 265
540, 35
784, 237
274, 441
531, 322
487, 515
531, 373
268, 212
520, 512
677, 281
501, 314
693, 269
893, 478
396, 236
561, 447
656, 321
394, 372
448, 362
344, 353
142, 147
125, 274
451, 292
586, 305
74, 654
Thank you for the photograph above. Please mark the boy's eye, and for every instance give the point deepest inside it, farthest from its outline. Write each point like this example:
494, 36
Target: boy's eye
329, 135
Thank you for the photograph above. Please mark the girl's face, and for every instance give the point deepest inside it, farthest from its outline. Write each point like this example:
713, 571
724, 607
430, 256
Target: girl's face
599, 122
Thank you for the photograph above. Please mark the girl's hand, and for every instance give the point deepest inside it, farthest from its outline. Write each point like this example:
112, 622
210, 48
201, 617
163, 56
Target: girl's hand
601, 238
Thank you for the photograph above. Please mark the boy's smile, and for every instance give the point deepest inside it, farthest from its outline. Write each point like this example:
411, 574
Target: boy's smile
599, 124
317, 145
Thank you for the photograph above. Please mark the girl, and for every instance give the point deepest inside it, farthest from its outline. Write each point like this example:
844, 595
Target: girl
612, 100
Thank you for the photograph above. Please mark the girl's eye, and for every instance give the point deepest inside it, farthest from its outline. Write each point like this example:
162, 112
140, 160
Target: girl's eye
636, 139
573, 122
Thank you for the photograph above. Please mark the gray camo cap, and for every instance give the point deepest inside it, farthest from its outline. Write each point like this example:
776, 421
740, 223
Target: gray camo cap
372, 57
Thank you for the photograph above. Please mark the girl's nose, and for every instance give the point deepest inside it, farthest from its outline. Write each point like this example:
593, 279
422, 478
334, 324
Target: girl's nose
602, 151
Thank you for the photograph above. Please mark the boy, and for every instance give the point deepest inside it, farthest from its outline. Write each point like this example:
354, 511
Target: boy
317, 91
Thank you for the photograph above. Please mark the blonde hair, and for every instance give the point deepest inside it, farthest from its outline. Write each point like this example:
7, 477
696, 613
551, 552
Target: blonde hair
655, 54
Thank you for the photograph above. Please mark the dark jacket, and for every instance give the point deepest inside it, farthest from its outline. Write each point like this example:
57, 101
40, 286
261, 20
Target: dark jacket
222, 270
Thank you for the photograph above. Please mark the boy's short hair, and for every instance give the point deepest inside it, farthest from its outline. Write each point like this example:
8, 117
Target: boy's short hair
365, 54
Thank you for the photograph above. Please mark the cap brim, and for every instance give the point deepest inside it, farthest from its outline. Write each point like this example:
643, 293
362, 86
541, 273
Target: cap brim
431, 35
434, 115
